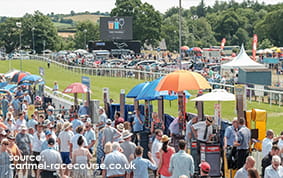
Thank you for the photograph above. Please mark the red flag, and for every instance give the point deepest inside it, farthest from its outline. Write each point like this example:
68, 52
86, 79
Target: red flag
254, 46
223, 43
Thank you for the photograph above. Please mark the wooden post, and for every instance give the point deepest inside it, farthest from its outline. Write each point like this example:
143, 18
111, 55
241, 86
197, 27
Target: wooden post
106, 100
199, 107
146, 112
181, 108
136, 104
122, 103
240, 92
76, 99
161, 109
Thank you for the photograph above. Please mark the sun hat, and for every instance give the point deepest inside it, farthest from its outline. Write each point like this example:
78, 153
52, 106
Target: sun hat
23, 127
67, 125
126, 134
120, 127
46, 122
164, 138
205, 166
209, 119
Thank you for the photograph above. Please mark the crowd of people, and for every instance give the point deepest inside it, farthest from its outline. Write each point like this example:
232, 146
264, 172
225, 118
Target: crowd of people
115, 146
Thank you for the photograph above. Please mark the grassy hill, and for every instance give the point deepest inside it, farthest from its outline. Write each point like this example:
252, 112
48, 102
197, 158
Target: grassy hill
84, 17
65, 77
71, 28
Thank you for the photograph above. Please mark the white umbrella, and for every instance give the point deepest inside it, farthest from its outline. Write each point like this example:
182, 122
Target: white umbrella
260, 51
267, 51
216, 95
81, 51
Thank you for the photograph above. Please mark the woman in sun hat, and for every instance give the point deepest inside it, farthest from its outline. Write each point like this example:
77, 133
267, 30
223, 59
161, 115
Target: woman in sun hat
165, 155
5, 162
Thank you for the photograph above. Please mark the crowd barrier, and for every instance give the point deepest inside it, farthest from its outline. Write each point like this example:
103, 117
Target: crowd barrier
252, 94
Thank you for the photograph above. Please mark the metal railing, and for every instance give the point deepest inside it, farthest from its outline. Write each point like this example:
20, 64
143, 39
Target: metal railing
266, 96
108, 72
62, 99
269, 96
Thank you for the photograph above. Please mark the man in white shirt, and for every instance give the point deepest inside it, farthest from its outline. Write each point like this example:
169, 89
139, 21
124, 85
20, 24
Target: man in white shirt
156, 146
38, 139
64, 140
21, 121
243, 172
275, 170
268, 142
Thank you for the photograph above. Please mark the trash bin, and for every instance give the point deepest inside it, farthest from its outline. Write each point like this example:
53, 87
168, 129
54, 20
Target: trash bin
211, 154
144, 141
194, 153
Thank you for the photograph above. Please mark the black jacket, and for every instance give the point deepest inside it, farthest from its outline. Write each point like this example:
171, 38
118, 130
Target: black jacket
266, 161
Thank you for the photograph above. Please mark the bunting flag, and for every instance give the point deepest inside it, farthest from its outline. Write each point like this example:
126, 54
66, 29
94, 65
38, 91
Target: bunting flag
254, 45
223, 43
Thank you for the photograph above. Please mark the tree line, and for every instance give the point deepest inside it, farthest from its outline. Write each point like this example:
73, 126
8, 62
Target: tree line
202, 26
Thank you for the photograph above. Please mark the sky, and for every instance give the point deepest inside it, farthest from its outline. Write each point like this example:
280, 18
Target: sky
17, 8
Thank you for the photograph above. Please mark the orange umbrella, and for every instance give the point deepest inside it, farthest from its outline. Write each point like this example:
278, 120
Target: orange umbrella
183, 80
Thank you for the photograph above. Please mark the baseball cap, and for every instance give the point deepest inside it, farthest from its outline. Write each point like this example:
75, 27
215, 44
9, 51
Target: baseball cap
51, 141
205, 166
108, 122
47, 132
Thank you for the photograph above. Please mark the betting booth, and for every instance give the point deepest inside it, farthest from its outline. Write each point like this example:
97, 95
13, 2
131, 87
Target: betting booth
256, 121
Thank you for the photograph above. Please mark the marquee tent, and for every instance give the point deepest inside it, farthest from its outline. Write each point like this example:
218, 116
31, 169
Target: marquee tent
242, 60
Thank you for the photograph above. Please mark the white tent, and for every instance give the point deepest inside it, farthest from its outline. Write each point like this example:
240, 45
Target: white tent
242, 60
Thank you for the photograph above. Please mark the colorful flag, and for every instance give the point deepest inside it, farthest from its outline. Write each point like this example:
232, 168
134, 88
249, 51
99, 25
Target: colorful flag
254, 45
223, 43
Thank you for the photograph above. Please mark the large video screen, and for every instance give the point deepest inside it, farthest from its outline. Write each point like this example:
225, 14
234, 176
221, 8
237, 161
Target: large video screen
116, 28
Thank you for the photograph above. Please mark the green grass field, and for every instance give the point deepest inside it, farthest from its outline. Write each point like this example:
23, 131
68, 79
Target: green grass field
65, 77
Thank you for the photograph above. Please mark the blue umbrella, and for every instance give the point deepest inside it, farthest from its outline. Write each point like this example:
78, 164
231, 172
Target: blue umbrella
3, 84
137, 90
173, 95
10, 87
149, 92
31, 79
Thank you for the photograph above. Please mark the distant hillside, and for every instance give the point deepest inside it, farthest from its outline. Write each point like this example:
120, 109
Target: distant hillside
84, 17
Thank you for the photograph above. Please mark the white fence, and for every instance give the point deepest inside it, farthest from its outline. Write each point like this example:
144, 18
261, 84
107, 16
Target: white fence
253, 94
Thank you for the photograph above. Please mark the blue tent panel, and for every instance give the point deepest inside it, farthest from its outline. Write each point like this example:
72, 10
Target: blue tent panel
137, 90
149, 92
3, 84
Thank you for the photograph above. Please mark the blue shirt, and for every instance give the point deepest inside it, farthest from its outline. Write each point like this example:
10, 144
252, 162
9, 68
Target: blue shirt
141, 166
241, 173
181, 163
270, 172
51, 118
244, 136
137, 125
116, 158
76, 123
230, 134
90, 136
174, 126
31, 123
16, 104
83, 111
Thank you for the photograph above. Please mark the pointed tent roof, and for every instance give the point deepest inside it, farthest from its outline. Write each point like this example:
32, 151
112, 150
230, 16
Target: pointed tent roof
242, 60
